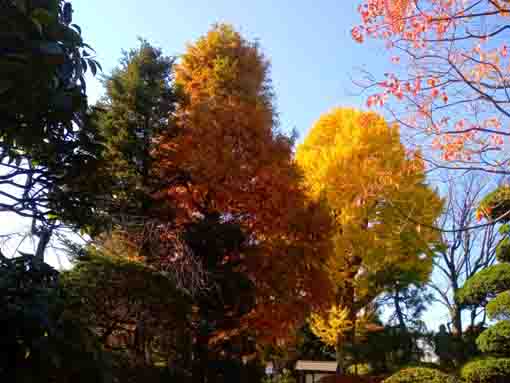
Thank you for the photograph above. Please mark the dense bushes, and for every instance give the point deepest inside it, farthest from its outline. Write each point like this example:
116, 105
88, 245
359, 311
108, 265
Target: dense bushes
489, 370
499, 307
485, 284
420, 375
496, 339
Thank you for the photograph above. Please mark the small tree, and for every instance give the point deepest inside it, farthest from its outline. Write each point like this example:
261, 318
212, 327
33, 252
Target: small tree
464, 252
491, 288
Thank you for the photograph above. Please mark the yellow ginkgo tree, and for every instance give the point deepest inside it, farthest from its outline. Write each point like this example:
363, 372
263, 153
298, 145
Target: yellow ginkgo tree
382, 209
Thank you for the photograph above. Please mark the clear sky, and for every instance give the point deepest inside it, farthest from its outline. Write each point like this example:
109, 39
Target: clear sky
308, 42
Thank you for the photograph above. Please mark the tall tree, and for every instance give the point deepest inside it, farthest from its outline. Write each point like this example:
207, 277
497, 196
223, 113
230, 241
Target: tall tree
450, 76
135, 110
138, 267
232, 163
235, 186
375, 192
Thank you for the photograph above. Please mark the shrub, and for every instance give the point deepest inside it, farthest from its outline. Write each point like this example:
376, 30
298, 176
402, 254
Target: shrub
499, 307
284, 377
503, 250
496, 339
485, 284
360, 369
489, 370
420, 375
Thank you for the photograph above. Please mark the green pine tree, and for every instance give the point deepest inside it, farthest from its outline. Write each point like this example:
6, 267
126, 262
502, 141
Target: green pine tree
137, 107
491, 288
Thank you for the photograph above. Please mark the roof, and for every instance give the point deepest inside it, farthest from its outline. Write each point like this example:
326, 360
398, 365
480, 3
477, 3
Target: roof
320, 366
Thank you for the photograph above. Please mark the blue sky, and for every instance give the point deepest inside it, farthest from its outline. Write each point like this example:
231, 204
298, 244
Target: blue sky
308, 43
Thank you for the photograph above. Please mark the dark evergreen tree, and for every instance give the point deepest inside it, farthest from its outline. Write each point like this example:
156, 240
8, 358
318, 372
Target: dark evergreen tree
220, 341
137, 107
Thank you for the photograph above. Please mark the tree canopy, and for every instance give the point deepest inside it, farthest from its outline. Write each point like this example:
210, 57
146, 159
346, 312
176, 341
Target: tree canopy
376, 194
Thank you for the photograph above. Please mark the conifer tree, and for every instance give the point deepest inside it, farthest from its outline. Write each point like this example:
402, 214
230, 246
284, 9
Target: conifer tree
491, 288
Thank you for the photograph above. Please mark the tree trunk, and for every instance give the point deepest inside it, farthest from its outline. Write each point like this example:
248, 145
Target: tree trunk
201, 362
398, 311
456, 314
349, 338
44, 235
340, 357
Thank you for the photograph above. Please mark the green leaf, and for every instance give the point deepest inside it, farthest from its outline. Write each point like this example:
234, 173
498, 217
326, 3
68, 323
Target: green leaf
84, 65
98, 65
93, 67
52, 216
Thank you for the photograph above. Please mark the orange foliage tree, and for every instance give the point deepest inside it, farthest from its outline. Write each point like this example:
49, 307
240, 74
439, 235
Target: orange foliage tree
224, 157
450, 77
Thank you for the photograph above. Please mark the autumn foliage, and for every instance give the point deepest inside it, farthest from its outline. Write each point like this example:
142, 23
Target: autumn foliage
450, 73
378, 200
224, 155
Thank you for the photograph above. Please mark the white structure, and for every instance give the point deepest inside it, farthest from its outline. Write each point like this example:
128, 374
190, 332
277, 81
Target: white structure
312, 371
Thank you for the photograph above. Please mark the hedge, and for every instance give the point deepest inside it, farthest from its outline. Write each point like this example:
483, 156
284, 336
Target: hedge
420, 375
496, 339
488, 370
485, 284
499, 307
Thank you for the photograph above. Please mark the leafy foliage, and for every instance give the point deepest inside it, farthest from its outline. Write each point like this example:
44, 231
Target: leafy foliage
284, 377
448, 75
226, 158
310, 347
503, 250
499, 307
496, 204
331, 328
420, 375
496, 339
128, 305
488, 370
47, 151
38, 341
454, 350
486, 284
136, 109
354, 163
388, 349
48, 148
491, 287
